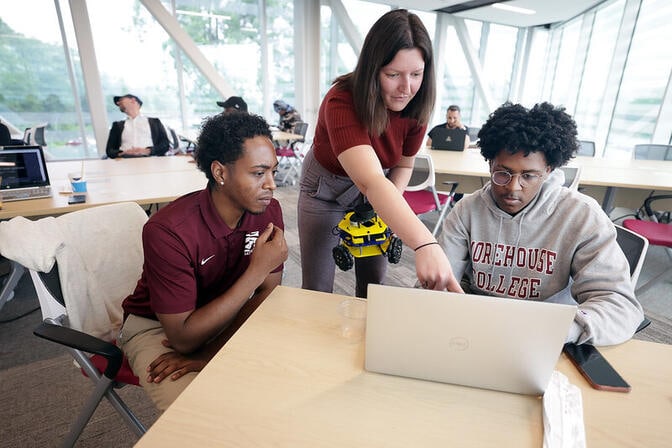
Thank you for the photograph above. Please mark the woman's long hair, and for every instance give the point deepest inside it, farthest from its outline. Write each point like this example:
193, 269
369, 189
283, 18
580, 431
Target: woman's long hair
394, 31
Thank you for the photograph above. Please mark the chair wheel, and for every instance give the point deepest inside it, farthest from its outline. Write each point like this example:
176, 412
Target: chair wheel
394, 250
343, 258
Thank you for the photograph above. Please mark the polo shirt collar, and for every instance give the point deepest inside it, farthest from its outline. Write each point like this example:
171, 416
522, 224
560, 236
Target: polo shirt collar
215, 223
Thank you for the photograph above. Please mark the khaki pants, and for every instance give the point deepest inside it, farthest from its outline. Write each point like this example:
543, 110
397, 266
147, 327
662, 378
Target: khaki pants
140, 339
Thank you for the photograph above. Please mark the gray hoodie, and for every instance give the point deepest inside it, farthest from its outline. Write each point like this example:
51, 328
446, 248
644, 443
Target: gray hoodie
561, 247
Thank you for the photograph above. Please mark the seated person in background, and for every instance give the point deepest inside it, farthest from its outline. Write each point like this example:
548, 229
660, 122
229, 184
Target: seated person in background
138, 135
288, 116
5, 135
233, 104
453, 121
211, 258
525, 236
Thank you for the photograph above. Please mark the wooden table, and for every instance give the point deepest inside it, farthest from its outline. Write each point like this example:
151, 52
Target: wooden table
633, 174
94, 168
145, 180
288, 379
282, 135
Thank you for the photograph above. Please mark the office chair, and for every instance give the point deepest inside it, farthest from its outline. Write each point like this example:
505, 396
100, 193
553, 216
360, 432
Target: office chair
473, 133
653, 152
634, 247
421, 193
35, 135
12, 278
83, 264
644, 152
191, 144
586, 148
173, 141
572, 176
657, 234
290, 157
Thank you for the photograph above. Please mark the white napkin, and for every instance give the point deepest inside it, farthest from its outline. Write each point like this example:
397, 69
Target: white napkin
563, 414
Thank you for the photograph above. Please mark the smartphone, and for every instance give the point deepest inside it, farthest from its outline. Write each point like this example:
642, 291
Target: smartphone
77, 199
594, 368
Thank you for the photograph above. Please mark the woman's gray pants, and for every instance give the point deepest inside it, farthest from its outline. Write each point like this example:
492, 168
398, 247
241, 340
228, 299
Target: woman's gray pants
324, 199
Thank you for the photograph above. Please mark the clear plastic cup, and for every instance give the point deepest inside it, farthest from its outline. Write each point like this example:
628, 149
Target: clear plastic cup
353, 319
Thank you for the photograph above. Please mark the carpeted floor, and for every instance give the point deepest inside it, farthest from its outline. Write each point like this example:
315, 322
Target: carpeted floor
41, 391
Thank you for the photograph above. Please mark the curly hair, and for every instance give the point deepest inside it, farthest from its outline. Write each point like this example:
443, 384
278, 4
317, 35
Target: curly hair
544, 128
222, 138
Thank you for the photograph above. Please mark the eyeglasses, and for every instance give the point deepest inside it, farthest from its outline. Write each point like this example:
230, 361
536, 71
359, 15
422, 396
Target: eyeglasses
503, 178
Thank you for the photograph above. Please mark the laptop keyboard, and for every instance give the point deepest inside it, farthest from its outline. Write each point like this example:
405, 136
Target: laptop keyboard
30, 193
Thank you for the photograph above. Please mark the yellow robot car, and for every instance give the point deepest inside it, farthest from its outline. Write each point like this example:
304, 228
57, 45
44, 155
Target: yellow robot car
363, 234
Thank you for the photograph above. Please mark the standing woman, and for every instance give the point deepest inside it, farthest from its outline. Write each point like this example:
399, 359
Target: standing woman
370, 125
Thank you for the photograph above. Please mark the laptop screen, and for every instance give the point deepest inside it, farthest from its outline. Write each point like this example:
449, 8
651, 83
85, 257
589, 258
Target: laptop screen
23, 167
448, 139
479, 341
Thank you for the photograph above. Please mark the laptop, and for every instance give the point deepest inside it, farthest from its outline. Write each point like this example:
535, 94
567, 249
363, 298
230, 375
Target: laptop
478, 341
449, 139
24, 173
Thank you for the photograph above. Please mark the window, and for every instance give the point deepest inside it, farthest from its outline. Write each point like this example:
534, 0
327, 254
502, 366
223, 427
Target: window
598, 63
536, 68
567, 57
646, 76
35, 86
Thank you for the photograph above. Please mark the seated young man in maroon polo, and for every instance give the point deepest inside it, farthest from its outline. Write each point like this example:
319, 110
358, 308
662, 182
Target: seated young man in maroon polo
211, 258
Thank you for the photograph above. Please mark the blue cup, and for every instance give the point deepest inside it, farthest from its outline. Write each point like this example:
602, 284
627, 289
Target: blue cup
78, 186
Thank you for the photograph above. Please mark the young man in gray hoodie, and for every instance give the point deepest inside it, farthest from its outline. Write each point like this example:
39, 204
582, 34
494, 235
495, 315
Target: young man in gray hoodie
525, 236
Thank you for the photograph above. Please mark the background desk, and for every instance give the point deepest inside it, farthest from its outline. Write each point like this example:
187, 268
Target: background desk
94, 168
288, 379
643, 175
146, 180
282, 135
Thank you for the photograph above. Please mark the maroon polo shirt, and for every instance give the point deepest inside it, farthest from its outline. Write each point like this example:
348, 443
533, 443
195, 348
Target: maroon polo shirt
192, 256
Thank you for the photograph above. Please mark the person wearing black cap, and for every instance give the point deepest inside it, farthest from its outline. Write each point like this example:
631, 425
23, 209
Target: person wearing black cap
137, 135
233, 104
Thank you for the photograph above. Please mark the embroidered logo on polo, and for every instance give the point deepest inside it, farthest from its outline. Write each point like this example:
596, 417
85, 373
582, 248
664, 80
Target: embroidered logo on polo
205, 260
250, 240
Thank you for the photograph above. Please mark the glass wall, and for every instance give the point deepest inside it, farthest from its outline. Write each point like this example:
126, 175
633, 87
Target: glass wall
597, 67
613, 80
134, 54
458, 83
645, 79
36, 79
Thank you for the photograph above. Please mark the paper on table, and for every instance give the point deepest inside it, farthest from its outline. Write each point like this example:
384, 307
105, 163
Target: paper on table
563, 414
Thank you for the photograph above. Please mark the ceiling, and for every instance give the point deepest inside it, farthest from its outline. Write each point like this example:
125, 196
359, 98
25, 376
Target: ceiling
547, 11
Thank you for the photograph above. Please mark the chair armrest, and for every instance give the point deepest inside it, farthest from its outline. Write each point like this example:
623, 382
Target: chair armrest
190, 143
650, 199
84, 342
645, 323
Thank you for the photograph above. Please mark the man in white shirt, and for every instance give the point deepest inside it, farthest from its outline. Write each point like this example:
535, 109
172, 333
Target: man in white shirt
137, 136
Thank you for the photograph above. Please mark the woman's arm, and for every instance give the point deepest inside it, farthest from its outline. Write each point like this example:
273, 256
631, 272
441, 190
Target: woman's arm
400, 175
432, 267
